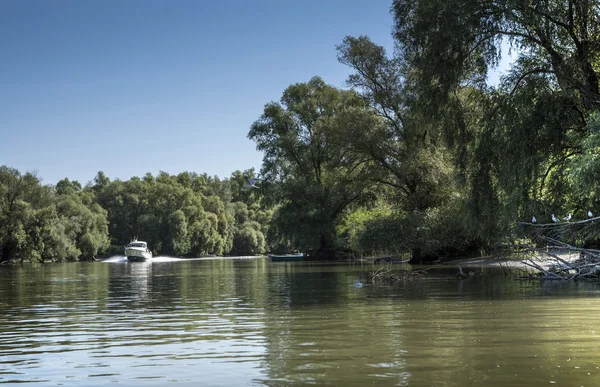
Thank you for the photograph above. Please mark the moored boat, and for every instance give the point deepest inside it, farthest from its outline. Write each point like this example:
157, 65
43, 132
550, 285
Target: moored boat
286, 257
137, 251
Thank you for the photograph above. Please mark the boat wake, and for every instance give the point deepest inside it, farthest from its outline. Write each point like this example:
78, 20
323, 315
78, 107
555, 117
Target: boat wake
159, 259
123, 259
115, 259
166, 259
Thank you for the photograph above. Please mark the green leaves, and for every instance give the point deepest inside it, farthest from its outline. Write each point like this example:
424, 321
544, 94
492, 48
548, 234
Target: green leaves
308, 168
171, 213
41, 222
584, 167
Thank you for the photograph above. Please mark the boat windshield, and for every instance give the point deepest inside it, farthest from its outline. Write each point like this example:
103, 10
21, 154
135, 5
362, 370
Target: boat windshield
137, 244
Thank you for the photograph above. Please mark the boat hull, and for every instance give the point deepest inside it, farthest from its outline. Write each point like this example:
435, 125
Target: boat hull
134, 258
138, 255
286, 258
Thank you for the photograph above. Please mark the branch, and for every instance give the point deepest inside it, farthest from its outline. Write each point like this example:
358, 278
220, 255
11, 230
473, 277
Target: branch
551, 166
527, 73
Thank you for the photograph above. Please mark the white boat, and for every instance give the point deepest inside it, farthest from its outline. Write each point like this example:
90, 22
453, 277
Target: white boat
137, 251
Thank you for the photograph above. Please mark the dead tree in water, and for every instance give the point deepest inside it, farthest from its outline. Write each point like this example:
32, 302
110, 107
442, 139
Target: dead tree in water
385, 274
554, 250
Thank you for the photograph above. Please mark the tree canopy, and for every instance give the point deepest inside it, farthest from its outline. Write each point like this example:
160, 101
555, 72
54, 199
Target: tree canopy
183, 215
310, 172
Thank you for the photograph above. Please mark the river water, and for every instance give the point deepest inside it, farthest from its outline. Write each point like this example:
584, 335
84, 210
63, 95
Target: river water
252, 322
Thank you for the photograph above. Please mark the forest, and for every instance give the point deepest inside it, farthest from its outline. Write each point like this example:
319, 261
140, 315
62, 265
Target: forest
418, 155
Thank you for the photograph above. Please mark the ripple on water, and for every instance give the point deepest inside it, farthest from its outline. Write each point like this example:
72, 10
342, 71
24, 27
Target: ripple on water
232, 323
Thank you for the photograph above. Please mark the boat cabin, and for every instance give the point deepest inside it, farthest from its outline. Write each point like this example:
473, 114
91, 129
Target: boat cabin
138, 244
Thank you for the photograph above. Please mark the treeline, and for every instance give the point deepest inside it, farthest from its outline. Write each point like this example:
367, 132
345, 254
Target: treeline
183, 215
418, 155
421, 154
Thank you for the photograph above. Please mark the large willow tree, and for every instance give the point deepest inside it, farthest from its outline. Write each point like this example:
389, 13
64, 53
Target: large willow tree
309, 170
523, 135
419, 204
404, 145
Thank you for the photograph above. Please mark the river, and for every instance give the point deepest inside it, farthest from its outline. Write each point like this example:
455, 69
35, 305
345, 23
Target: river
230, 322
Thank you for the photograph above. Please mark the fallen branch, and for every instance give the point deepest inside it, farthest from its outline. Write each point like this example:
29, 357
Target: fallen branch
556, 260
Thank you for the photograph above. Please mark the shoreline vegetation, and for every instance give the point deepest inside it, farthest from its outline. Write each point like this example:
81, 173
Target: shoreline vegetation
418, 157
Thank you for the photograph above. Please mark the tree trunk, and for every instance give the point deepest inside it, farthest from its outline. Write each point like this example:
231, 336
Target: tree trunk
6, 254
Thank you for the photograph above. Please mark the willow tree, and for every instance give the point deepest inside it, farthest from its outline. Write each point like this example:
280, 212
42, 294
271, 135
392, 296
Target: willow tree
170, 212
405, 145
424, 201
308, 169
528, 129
457, 41
251, 217
26, 211
450, 45
80, 228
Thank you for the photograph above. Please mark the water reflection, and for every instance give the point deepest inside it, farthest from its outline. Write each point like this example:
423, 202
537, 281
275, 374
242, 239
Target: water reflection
232, 322
139, 278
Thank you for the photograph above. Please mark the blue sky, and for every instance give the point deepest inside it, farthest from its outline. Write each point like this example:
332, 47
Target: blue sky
130, 87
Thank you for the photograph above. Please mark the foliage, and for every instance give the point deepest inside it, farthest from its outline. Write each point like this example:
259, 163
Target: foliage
308, 170
453, 42
434, 233
81, 227
248, 239
404, 148
512, 145
39, 222
354, 225
172, 213
584, 168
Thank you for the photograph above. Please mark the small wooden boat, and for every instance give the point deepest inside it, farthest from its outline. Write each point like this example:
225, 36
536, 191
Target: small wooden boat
286, 257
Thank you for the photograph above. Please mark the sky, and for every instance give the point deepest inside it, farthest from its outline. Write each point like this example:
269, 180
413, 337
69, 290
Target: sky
134, 86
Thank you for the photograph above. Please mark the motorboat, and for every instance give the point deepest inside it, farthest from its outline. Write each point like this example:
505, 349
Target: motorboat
137, 251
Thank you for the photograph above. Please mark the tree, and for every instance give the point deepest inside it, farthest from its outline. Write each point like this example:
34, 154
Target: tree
80, 228
307, 169
416, 164
541, 108
25, 212
248, 239
404, 146
452, 42
66, 186
169, 212
506, 151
